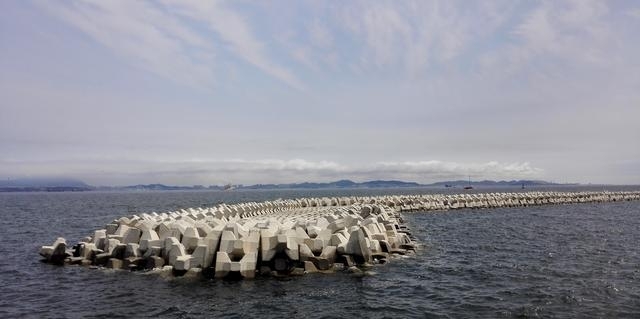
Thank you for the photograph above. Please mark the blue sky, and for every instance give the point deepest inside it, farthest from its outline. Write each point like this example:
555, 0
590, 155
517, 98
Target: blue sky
213, 92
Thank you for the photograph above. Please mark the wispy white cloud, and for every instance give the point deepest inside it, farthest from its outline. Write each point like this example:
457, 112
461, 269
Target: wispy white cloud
415, 35
165, 39
635, 13
144, 35
431, 169
320, 35
236, 33
207, 171
383, 82
574, 34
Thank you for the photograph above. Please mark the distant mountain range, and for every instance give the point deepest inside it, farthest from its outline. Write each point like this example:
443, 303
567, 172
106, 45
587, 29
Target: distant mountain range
156, 187
43, 185
462, 183
67, 184
338, 184
399, 184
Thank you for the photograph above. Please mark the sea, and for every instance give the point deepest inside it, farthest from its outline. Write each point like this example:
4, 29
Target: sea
556, 261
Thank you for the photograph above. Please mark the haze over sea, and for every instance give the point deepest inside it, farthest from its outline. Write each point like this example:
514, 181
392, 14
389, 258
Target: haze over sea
559, 261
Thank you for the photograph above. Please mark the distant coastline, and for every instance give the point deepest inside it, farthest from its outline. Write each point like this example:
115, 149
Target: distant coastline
71, 185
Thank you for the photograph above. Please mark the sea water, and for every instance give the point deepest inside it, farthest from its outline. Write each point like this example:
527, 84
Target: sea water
564, 261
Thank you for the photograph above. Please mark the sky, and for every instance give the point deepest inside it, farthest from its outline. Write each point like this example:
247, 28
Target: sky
244, 92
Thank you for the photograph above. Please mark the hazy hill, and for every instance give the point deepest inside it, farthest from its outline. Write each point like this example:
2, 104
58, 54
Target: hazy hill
488, 183
337, 184
43, 184
69, 184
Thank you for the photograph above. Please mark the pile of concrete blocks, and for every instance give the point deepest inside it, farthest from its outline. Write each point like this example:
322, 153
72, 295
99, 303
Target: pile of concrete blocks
440, 202
281, 237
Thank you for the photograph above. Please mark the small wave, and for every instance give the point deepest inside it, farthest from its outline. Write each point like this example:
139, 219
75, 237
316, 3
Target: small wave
172, 311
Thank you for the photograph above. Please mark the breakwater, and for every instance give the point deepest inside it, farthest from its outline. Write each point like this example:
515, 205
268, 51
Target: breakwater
282, 237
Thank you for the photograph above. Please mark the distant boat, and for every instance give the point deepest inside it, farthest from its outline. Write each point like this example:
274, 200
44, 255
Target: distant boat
469, 186
228, 187
447, 185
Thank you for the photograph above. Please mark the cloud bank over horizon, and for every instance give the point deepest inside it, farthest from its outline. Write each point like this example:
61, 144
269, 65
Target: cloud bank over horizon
211, 92
239, 171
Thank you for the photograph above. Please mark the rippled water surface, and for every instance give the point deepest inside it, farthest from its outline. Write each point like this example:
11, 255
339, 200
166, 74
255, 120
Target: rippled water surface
564, 261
